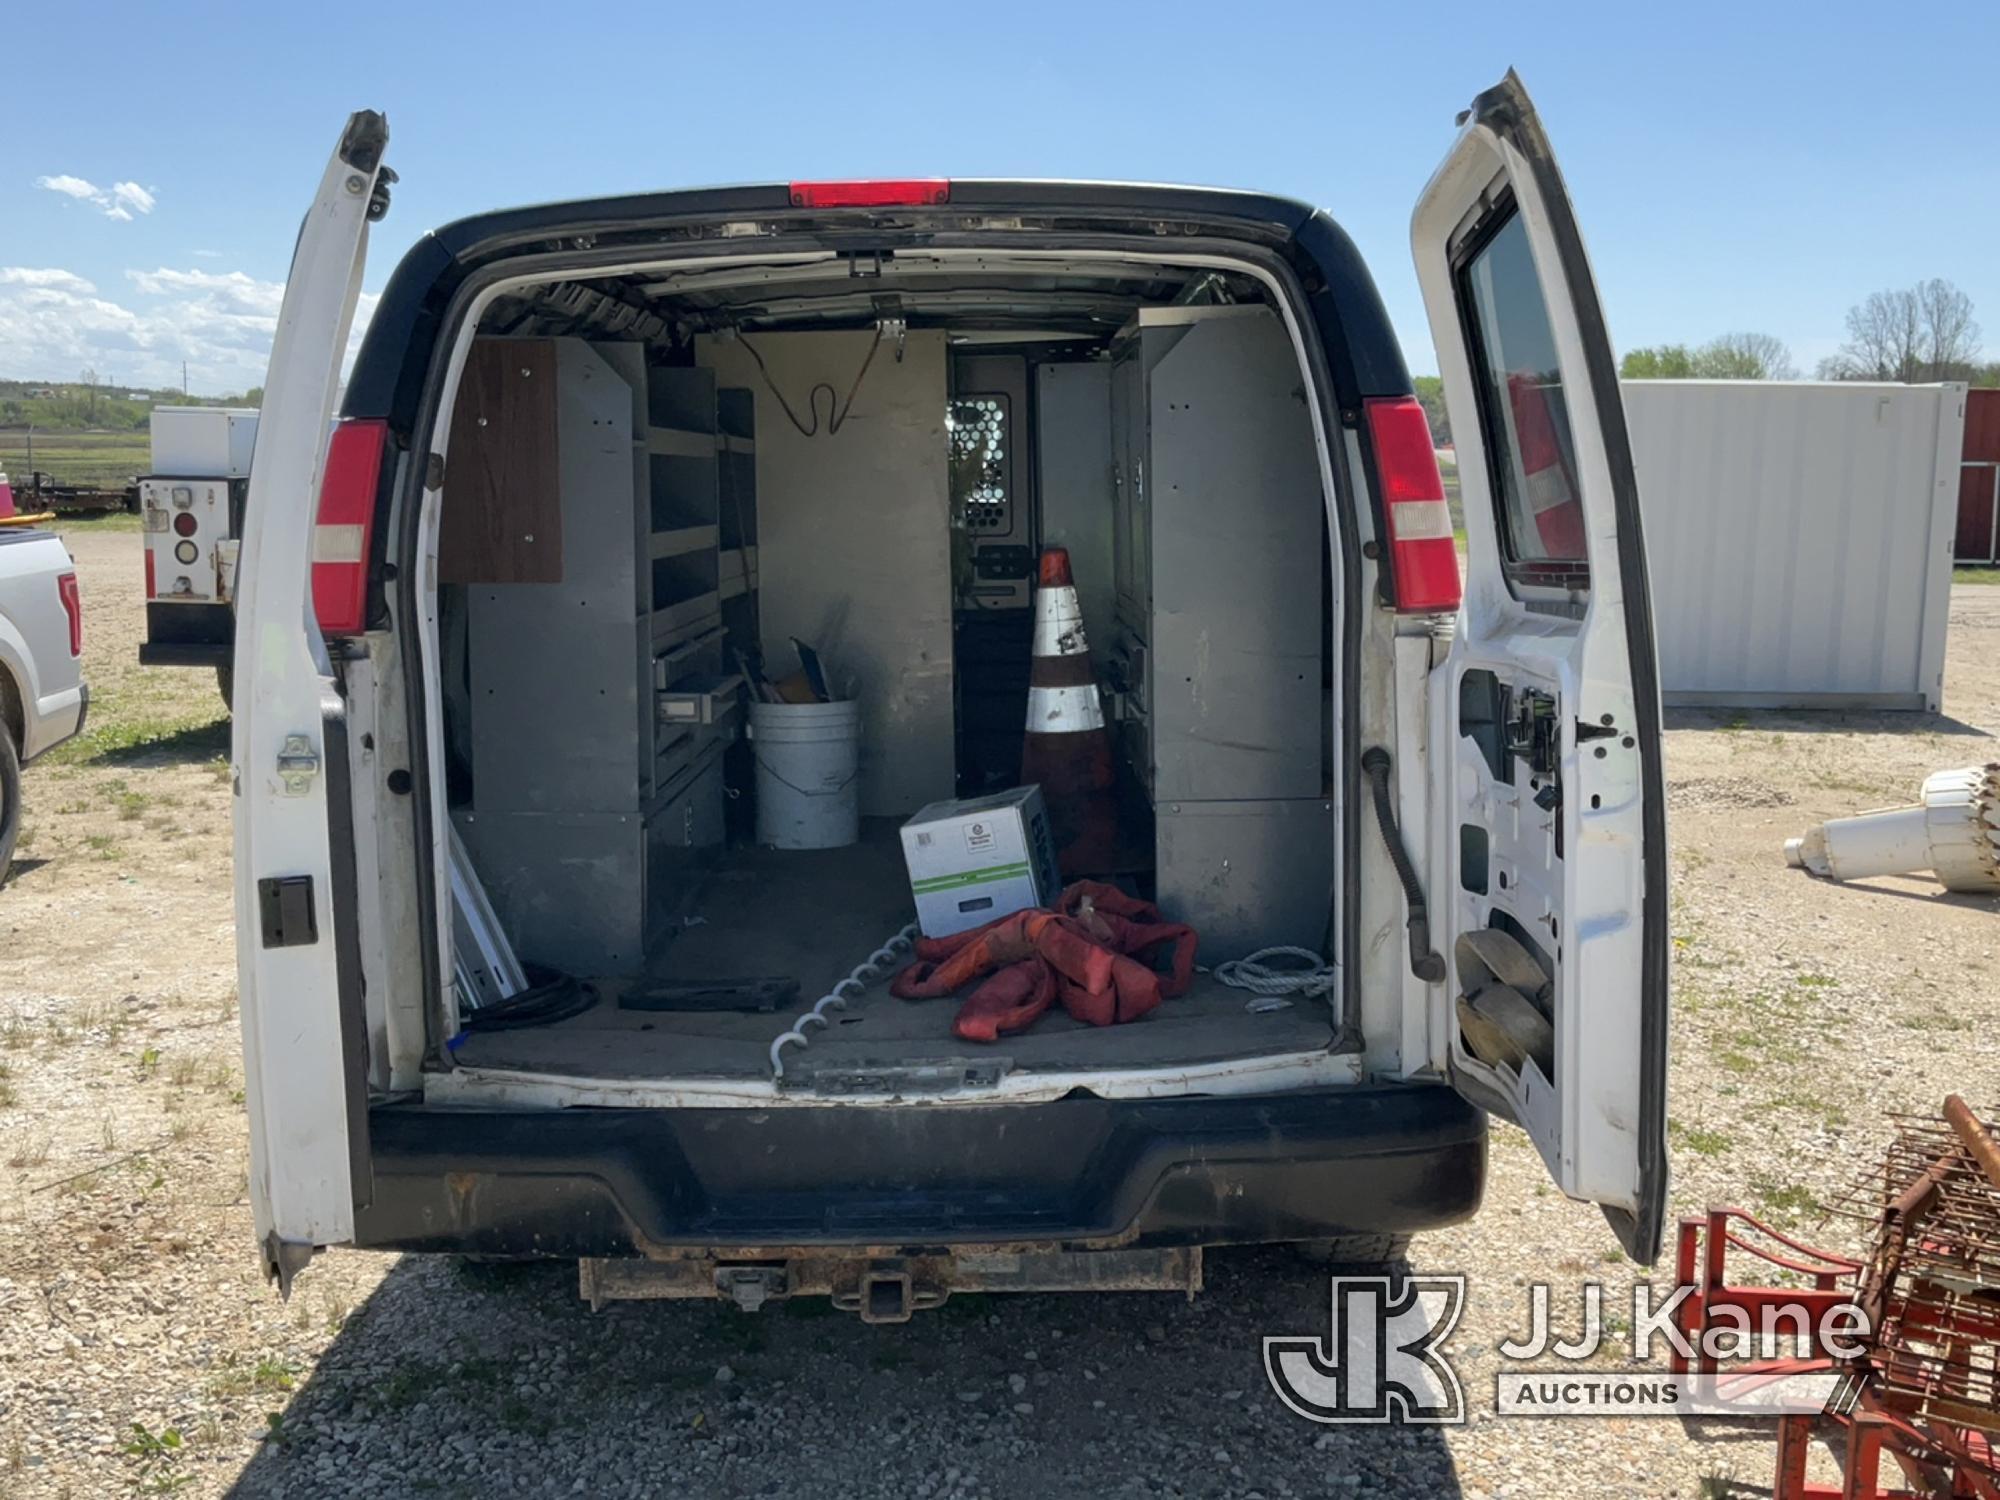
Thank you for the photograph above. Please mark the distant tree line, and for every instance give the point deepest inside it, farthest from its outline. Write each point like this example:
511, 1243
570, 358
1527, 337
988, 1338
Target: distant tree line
89, 403
1923, 333
1916, 336
1733, 356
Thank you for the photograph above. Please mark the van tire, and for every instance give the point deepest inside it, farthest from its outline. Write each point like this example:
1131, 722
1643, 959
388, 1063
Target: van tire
10, 800
1357, 1250
225, 684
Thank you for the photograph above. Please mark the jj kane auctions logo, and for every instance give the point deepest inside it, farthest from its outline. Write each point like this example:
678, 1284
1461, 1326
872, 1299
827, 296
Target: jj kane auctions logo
1383, 1357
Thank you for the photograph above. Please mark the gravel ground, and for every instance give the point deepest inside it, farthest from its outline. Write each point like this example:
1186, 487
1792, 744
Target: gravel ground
131, 1308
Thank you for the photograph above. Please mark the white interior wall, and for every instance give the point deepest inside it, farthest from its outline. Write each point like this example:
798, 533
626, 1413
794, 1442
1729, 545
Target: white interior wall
854, 541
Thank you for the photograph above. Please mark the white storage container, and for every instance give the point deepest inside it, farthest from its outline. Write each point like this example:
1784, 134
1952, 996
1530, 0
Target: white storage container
1799, 538
203, 442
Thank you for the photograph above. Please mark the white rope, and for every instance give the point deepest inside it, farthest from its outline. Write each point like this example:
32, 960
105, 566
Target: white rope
1257, 975
852, 987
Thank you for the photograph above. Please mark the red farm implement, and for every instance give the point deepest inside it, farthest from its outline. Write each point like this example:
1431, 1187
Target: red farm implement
1920, 1384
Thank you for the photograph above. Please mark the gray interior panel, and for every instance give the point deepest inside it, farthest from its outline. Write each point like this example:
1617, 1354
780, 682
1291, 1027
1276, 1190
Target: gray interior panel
1234, 538
1247, 875
555, 679
1073, 459
854, 541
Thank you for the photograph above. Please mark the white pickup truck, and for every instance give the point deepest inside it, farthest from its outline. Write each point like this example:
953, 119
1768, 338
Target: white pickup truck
43, 698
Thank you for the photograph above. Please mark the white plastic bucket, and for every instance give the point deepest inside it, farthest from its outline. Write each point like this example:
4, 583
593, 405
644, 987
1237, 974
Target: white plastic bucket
808, 765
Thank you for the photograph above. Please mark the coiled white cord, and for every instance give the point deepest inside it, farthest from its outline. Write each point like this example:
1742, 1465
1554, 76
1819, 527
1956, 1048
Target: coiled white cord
852, 987
1257, 975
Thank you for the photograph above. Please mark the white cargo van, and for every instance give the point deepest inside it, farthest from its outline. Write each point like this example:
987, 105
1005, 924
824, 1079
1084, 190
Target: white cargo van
596, 459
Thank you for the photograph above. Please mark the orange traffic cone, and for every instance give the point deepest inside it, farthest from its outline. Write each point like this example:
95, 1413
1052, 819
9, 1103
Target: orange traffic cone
1068, 749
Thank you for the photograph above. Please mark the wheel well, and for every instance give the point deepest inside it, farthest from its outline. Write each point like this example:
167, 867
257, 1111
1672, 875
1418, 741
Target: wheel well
13, 715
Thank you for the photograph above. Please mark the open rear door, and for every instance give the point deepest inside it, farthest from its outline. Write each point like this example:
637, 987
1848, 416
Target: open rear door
1548, 814
298, 972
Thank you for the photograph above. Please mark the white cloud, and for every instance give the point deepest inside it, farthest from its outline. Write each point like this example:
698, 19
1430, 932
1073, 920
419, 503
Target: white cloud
47, 276
206, 254
70, 187
119, 201
53, 323
232, 290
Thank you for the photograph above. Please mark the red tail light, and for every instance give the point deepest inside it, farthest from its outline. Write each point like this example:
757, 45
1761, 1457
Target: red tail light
72, 603
898, 192
1423, 555
345, 525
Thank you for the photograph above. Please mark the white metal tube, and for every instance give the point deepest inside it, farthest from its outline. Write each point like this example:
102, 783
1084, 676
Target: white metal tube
1877, 843
1954, 833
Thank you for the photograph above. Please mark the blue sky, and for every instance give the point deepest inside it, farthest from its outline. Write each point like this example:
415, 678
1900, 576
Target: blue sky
1736, 166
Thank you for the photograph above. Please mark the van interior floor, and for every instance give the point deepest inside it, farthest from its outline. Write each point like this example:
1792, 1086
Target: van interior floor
813, 915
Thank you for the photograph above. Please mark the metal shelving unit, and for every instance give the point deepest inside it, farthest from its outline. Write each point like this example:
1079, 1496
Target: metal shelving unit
618, 671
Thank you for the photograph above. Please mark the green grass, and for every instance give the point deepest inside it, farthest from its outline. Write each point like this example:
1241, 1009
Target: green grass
1933, 1020
1829, 1113
125, 739
79, 458
1976, 575
420, 1379
1789, 1199
269, 1375
1698, 1139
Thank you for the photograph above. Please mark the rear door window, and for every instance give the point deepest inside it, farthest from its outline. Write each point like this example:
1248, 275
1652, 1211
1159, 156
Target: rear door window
1525, 420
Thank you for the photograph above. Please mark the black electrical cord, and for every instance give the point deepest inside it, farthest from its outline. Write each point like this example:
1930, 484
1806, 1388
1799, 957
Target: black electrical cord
1425, 962
837, 411
550, 997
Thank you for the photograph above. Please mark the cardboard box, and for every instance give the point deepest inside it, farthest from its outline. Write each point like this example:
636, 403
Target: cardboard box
974, 860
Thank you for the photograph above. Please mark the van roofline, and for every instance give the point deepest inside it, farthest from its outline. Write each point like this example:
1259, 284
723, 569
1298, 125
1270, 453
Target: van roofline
483, 232
386, 380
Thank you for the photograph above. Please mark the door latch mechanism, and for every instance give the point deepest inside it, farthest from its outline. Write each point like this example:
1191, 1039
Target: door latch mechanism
298, 763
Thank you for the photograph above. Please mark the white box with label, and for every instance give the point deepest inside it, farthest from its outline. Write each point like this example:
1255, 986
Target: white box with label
973, 860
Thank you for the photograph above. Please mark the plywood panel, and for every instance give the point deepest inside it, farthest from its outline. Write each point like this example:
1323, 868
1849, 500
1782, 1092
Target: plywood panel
502, 517
854, 541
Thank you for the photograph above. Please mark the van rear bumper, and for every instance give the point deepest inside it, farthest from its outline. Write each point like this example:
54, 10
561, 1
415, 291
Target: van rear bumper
1078, 1172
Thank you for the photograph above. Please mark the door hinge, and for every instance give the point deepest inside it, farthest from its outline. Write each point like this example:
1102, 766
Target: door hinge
298, 763
283, 1260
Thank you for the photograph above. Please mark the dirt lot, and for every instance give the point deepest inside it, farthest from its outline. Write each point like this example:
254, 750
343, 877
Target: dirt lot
140, 1351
